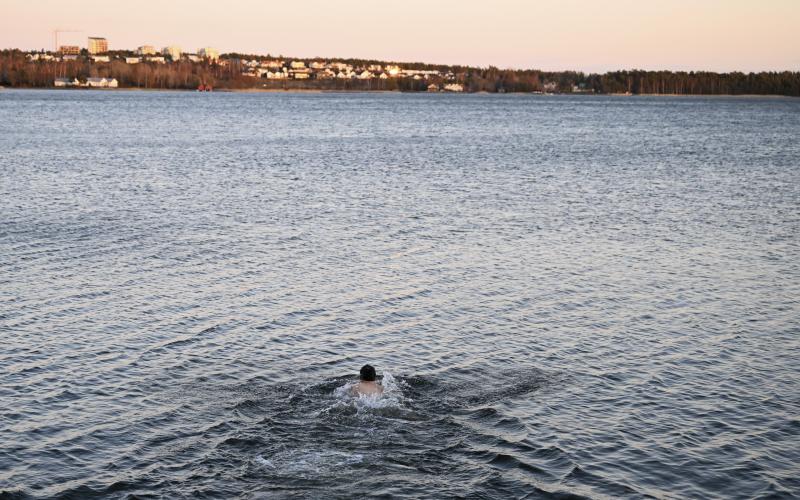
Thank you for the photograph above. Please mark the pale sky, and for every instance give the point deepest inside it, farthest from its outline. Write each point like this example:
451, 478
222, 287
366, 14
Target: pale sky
586, 35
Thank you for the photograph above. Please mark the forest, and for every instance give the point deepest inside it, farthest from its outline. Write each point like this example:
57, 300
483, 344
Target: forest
17, 70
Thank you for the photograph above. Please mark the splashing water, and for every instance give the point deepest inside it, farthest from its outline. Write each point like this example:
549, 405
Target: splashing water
392, 397
317, 462
307, 462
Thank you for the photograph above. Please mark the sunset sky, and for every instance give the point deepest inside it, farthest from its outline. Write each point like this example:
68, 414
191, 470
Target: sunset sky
587, 35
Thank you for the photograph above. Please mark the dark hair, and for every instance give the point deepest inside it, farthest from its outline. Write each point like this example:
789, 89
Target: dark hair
368, 373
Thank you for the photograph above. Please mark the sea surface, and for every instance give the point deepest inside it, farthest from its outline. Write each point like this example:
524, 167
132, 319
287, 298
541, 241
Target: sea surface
565, 297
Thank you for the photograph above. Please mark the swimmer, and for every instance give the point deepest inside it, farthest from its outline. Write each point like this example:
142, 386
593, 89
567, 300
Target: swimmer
367, 386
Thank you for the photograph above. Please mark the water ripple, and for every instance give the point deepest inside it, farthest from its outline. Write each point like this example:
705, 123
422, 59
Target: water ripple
566, 297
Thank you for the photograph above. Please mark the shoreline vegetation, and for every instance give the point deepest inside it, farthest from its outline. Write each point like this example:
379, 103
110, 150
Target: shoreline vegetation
356, 91
256, 73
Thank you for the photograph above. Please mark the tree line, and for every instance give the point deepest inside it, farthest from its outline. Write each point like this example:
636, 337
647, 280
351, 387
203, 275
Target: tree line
16, 70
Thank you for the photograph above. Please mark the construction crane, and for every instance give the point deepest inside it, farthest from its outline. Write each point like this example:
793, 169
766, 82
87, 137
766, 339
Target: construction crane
55, 36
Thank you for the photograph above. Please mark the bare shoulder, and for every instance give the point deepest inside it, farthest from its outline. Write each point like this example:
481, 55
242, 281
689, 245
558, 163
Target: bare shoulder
367, 388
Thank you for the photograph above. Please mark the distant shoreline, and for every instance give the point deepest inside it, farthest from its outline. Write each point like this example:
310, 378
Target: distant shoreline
359, 91
259, 73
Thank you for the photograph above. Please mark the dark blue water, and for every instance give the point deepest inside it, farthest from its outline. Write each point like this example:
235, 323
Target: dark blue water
567, 297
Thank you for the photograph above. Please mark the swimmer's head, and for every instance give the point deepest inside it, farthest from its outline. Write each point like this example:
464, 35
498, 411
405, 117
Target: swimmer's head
368, 373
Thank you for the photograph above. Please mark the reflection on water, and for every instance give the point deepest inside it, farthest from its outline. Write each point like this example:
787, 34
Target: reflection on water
564, 296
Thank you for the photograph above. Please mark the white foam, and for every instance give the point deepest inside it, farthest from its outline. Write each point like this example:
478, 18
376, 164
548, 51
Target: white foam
306, 462
345, 391
264, 462
391, 403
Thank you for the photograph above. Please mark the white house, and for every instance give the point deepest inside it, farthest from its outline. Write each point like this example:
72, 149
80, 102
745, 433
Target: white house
340, 66
66, 82
420, 72
300, 74
454, 87
133, 60
365, 75
102, 82
39, 57
100, 59
272, 64
156, 59
550, 86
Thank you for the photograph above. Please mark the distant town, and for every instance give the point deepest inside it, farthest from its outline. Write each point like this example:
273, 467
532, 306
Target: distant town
97, 65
